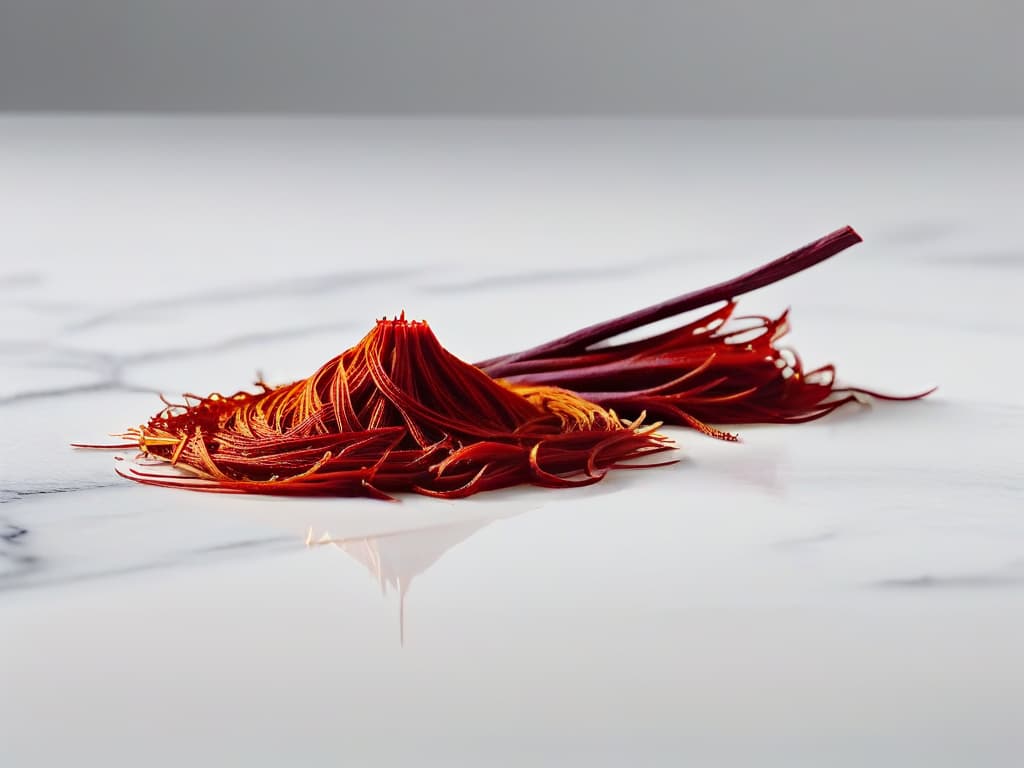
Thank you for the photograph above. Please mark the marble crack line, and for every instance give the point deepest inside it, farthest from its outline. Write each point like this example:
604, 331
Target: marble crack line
274, 545
998, 259
328, 283
113, 368
11, 533
1010, 575
81, 389
41, 354
527, 279
12, 539
244, 340
14, 495
540, 277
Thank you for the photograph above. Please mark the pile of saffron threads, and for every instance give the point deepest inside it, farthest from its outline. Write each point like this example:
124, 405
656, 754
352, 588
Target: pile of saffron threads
398, 412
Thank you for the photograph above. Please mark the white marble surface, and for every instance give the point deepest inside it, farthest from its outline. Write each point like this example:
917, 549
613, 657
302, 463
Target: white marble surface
843, 593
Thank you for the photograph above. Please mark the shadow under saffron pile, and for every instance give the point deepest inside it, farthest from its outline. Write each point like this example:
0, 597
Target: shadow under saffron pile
398, 412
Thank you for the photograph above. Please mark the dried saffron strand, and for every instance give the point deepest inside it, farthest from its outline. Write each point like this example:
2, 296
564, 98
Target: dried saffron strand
397, 412
796, 261
703, 371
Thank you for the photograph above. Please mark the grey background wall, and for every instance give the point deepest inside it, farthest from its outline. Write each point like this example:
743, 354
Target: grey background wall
721, 57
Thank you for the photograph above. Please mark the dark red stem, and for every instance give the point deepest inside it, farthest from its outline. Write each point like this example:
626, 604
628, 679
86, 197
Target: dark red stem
781, 268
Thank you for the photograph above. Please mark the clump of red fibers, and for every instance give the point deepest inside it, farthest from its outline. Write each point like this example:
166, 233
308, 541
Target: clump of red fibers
396, 412
707, 370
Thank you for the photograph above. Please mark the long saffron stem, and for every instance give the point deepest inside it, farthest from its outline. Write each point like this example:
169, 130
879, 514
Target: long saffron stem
790, 264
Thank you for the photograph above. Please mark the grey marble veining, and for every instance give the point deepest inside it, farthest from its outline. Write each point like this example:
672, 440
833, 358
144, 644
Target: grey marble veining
846, 592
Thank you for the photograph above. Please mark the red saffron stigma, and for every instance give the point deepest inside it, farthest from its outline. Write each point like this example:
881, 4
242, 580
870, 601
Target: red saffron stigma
703, 371
398, 412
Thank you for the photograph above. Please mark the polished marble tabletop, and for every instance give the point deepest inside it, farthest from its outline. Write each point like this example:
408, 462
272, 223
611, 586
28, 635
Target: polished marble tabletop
848, 592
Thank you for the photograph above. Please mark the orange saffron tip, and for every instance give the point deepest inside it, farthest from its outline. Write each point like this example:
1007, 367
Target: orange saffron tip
398, 412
